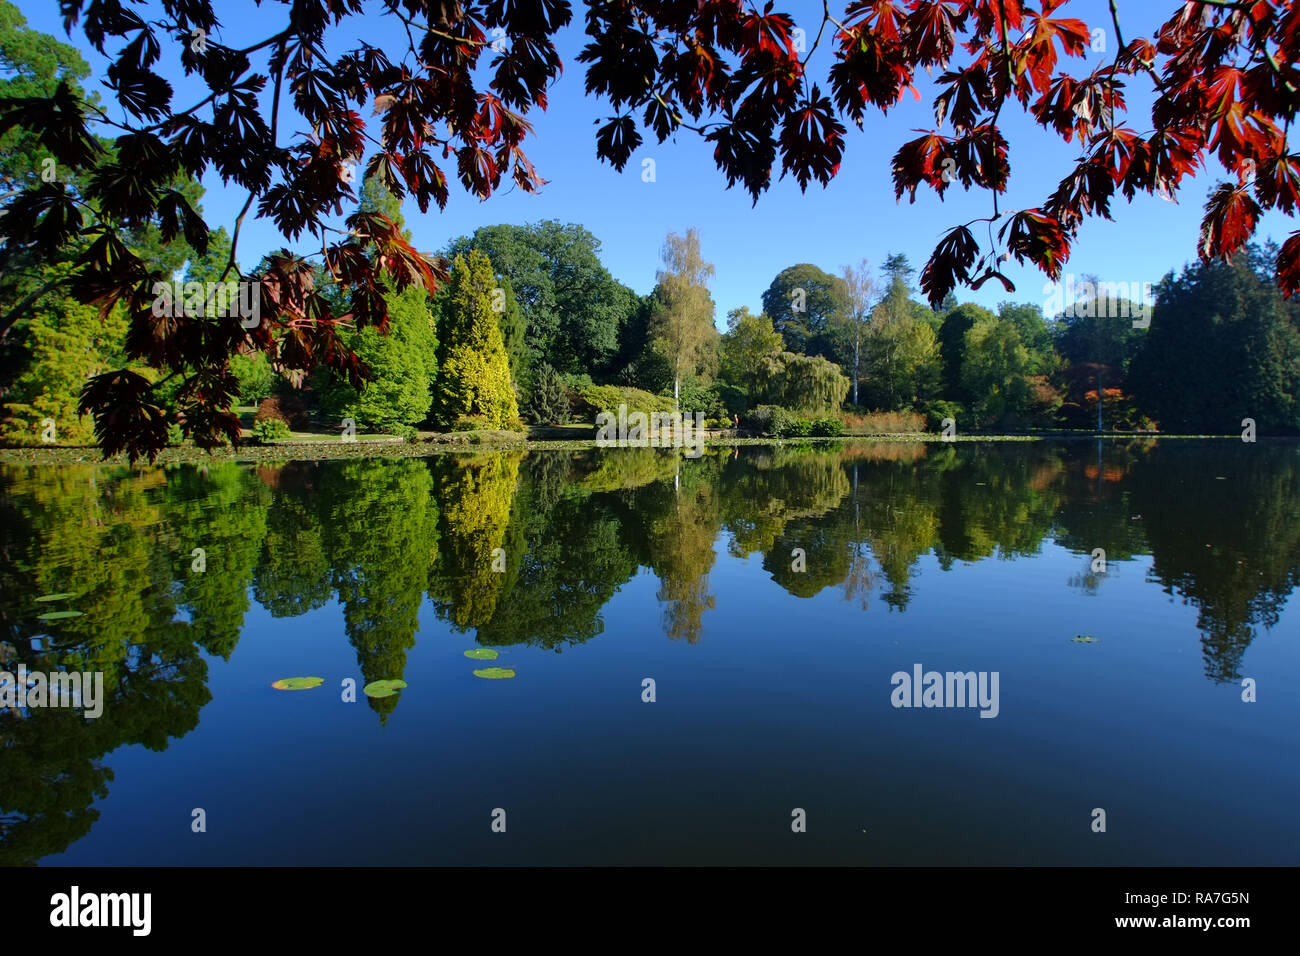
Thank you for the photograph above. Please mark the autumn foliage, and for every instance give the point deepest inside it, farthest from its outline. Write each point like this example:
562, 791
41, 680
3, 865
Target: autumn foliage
284, 121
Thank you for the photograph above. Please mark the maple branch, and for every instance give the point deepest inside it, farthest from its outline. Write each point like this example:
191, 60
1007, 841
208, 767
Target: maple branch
275, 122
826, 16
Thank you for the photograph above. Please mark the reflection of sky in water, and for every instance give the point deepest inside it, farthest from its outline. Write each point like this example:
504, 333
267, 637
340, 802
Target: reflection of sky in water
968, 559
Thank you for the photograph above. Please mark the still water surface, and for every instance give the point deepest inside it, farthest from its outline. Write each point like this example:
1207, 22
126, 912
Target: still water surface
770, 593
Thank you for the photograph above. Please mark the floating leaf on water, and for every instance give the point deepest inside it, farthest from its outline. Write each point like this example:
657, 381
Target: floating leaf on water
482, 654
383, 688
1085, 639
298, 683
494, 673
58, 597
58, 615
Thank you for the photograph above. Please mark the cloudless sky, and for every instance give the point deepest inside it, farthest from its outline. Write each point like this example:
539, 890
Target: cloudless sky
855, 217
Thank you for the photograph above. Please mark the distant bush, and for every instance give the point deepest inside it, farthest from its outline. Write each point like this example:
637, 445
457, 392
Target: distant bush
590, 401
404, 432
827, 427
471, 423
174, 434
733, 398
760, 419
271, 430
793, 425
885, 423
550, 400
288, 408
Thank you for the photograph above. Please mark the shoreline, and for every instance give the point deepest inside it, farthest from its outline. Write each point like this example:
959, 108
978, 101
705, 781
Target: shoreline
334, 449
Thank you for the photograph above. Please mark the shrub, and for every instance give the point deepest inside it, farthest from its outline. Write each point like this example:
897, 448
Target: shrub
793, 425
550, 401
698, 397
761, 419
270, 430
590, 401
885, 423
827, 427
733, 398
937, 411
405, 432
174, 434
471, 423
288, 408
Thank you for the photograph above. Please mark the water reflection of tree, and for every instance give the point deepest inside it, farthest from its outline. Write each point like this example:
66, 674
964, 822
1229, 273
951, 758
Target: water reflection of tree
1223, 522
111, 540
679, 541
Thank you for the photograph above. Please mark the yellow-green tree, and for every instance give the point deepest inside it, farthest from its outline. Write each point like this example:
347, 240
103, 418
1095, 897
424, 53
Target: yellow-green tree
69, 343
682, 330
474, 384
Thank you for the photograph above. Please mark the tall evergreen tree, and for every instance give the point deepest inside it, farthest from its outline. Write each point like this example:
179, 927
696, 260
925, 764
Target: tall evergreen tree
1223, 346
473, 369
403, 362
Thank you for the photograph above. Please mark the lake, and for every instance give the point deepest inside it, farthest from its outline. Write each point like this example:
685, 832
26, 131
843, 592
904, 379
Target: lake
710, 657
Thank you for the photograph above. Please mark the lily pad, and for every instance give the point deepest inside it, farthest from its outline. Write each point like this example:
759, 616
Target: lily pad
58, 615
298, 683
494, 673
1085, 639
383, 688
57, 597
482, 654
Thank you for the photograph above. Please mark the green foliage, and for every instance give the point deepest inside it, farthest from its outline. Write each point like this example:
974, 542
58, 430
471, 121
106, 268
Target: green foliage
749, 352
1223, 346
472, 423
403, 364
699, 396
952, 348
1035, 335
549, 404
514, 329
590, 401
805, 382
802, 301
936, 411
993, 373
474, 371
761, 419
255, 376
270, 430
403, 361
574, 311
68, 343
682, 330
827, 427
785, 423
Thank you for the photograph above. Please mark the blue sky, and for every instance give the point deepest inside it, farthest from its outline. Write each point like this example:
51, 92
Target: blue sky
855, 217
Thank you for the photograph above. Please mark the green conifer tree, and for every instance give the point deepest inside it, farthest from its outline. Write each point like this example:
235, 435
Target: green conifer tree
474, 384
